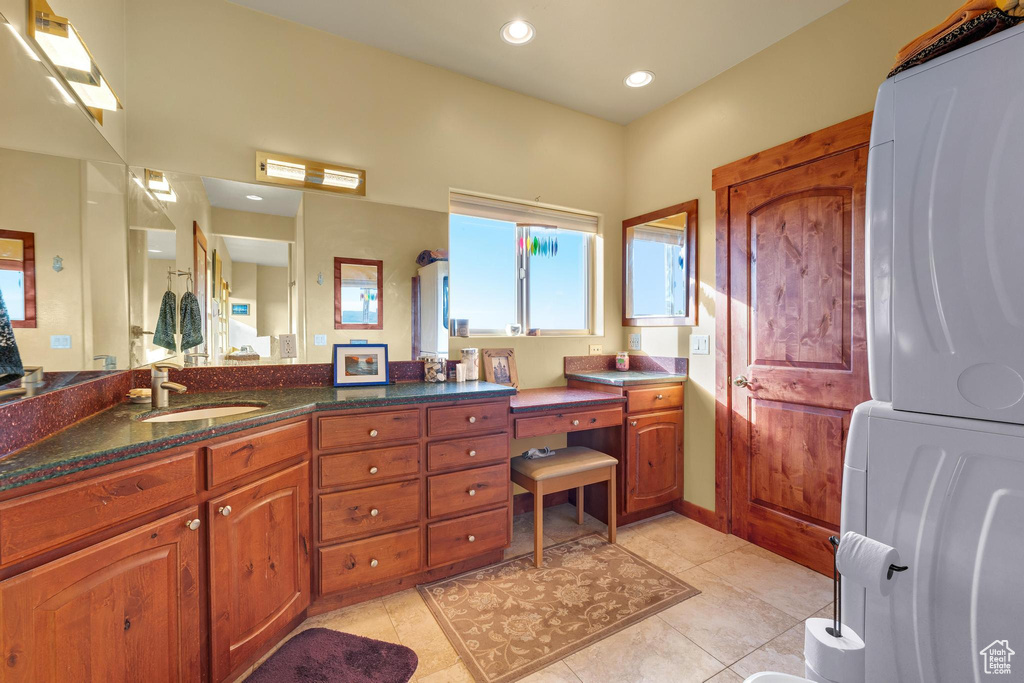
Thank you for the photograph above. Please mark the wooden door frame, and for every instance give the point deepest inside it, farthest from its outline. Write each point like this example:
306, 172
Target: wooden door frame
837, 139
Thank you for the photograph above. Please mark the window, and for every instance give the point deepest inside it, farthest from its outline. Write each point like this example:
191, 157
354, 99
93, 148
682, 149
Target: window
358, 284
518, 269
18, 276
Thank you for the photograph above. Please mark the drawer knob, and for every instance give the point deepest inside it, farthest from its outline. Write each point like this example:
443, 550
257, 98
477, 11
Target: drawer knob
472, 454
193, 524
373, 432
471, 538
374, 512
633, 423
472, 419
472, 492
659, 397
373, 470
373, 563
575, 423
225, 510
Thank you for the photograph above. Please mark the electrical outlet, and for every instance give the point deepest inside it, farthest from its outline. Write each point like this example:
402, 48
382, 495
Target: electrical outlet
634, 342
289, 344
595, 349
700, 344
60, 341
319, 340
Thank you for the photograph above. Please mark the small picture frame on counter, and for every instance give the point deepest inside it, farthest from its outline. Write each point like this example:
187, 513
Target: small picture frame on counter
500, 366
360, 364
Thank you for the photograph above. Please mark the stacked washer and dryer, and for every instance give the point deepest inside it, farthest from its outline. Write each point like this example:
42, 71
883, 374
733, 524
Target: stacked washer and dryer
935, 463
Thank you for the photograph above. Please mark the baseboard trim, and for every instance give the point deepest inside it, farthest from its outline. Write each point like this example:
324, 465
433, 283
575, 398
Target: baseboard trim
701, 514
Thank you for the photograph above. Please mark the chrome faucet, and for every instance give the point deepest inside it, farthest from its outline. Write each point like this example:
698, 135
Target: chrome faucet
31, 382
161, 385
109, 362
192, 359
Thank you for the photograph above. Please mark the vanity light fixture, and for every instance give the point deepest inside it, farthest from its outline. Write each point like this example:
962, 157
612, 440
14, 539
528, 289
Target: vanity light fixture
64, 47
157, 184
254, 197
518, 32
281, 169
639, 79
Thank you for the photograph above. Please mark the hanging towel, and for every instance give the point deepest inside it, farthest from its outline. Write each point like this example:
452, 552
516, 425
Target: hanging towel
166, 323
10, 360
191, 322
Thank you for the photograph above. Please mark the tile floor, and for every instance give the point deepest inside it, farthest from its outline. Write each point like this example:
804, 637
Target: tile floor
748, 617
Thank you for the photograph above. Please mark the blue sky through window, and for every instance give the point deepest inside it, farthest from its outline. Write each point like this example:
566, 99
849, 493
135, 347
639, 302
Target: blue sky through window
482, 258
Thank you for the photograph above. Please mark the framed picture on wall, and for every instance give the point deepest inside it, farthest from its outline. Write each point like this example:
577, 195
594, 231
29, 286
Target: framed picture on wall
360, 364
500, 366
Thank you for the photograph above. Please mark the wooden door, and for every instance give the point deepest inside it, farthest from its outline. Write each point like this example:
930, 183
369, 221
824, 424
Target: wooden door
259, 565
126, 609
798, 351
654, 460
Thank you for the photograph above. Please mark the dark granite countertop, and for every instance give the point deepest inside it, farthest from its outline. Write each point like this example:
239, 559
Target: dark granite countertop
528, 400
117, 434
627, 378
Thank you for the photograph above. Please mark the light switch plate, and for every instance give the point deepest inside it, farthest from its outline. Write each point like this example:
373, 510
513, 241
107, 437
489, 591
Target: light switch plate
595, 349
289, 346
700, 344
60, 341
634, 342
319, 340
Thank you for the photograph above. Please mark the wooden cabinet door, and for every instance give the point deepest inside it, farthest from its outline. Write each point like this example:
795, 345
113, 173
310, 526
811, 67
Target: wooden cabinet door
654, 460
126, 609
259, 565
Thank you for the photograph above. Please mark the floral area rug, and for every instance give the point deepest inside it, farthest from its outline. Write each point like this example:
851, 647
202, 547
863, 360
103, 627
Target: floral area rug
511, 619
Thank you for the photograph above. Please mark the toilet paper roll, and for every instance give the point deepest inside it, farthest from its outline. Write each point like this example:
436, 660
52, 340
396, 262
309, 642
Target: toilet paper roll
865, 562
839, 660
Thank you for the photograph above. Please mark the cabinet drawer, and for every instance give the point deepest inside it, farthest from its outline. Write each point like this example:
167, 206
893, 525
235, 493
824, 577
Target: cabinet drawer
641, 400
46, 520
476, 450
458, 539
339, 431
368, 511
233, 459
466, 419
369, 466
458, 491
370, 560
569, 421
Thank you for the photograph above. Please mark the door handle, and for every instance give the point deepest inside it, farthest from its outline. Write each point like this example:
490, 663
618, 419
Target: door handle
741, 381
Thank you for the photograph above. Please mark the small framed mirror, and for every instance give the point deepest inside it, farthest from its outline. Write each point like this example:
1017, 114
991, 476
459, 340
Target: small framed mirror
659, 268
358, 294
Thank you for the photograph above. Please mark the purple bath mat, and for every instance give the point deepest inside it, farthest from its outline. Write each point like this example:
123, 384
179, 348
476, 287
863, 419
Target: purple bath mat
320, 655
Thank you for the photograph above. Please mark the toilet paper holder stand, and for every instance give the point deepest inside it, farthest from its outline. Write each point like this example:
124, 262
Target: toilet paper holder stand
836, 629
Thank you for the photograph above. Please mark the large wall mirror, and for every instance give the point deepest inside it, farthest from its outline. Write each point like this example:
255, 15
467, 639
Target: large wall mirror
659, 267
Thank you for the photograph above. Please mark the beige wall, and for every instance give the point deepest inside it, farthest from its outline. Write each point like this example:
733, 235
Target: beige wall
417, 129
247, 224
272, 293
825, 73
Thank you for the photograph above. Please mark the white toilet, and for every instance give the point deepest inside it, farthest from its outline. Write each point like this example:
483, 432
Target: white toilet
774, 677
827, 659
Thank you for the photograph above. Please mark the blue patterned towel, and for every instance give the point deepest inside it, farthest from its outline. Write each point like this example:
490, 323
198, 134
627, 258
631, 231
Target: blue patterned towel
191, 322
10, 360
166, 322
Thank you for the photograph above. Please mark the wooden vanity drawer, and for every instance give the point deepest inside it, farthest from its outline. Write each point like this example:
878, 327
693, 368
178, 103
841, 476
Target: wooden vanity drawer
344, 469
49, 519
466, 419
232, 459
477, 450
569, 421
458, 491
368, 511
352, 564
642, 400
457, 539
339, 431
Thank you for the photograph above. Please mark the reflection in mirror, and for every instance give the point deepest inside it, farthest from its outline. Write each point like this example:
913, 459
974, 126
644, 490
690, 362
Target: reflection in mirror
232, 246
63, 266
659, 267
358, 284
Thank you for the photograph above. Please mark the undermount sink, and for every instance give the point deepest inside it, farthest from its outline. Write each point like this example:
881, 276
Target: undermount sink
202, 413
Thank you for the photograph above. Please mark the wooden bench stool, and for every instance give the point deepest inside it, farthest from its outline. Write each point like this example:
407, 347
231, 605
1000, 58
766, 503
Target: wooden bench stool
572, 467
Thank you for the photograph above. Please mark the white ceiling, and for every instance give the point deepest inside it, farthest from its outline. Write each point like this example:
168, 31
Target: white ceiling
160, 244
262, 252
230, 194
583, 48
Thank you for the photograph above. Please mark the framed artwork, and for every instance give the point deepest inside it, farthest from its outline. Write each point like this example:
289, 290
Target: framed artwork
500, 366
18, 276
358, 294
360, 364
239, 309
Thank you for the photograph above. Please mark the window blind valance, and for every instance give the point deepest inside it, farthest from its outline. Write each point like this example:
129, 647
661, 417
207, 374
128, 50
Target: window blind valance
649, 233
514, 212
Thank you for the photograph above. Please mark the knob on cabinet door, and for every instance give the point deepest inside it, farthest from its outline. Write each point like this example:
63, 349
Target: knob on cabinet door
373, 563
373, 470
193, 524
224, 510
741, 381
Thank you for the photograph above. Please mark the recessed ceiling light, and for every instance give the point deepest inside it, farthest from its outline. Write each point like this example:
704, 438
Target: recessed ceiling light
639, 79
254, 197
518, 32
